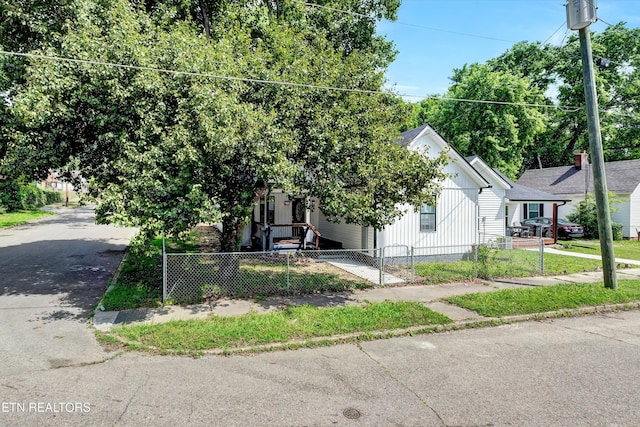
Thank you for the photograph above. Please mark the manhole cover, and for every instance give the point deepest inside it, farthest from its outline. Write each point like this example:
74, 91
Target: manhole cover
351, 413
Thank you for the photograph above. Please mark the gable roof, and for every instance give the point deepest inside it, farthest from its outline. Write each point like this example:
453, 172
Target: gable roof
488, 172
408, 137
623, 177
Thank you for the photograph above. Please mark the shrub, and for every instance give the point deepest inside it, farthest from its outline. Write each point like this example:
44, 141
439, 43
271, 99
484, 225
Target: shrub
10, 196
15, 196
586, 214
616, 228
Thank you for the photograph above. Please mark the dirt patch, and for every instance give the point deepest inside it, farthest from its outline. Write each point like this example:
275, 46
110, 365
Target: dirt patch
207, 238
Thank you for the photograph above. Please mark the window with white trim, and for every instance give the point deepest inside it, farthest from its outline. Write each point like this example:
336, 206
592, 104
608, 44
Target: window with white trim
427, 218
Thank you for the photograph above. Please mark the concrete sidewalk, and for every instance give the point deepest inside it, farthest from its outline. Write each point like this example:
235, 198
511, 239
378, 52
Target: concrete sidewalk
430, 295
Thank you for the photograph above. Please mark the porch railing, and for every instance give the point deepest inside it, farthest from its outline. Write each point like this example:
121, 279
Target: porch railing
294, 234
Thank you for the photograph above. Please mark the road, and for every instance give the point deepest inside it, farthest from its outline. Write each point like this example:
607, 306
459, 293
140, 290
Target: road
52, 273
571, 372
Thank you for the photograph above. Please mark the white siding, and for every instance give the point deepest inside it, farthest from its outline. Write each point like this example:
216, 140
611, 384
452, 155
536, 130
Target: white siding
491, 212
456, 224
350, 235
623, 216
634, 214
457, 210
628, 211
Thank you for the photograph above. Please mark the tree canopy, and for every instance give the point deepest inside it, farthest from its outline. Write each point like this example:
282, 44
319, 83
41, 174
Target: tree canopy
513, 138
193, 124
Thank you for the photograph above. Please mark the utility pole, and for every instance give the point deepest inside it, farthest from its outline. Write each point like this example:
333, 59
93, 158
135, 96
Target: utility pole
580, 14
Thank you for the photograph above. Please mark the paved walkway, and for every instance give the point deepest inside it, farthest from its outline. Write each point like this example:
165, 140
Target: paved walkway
366, 272
588, 256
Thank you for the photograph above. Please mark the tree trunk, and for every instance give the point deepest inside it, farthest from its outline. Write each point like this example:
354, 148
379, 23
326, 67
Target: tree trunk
205, 19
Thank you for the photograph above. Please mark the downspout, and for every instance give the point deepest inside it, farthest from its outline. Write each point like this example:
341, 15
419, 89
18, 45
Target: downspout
555, 221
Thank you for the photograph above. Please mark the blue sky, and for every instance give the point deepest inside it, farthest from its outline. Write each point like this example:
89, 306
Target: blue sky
427, 34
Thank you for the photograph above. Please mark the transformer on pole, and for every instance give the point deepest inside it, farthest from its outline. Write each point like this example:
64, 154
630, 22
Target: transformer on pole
581, 13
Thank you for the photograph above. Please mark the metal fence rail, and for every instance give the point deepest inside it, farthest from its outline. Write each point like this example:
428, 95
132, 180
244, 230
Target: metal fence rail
195, 277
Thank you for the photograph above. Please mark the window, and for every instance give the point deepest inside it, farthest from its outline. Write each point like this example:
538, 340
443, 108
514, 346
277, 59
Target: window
533, 210
271, 209
428, 218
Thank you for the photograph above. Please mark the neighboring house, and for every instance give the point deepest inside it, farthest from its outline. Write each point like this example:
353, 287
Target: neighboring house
54, 181
451, 226
506, 203
576, 182
522, 202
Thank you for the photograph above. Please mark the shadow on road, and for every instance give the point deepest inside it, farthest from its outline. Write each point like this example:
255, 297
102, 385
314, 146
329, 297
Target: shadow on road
77, 272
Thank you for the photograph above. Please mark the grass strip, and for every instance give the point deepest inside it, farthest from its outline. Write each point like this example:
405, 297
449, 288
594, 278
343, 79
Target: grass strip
13, 219
292, 323
626, 249
504, 263
511, 302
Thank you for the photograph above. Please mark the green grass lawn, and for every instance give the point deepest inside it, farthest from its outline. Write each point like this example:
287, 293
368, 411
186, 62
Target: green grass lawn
504, 263
21, 217
511, 302
627, 249
293, 323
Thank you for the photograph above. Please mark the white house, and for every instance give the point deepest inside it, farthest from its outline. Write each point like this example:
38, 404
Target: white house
575, 182
451, 226
476, 205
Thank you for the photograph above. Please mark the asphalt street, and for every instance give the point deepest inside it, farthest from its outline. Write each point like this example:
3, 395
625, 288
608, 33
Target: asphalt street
566, 372
52, 273
581, 371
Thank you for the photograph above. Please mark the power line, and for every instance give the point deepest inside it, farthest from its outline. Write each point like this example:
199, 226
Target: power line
303, 85
190, 73
361, 15
521, 104
554, 33
274, 82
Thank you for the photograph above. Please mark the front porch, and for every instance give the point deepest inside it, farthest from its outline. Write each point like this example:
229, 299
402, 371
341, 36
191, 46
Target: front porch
295, 236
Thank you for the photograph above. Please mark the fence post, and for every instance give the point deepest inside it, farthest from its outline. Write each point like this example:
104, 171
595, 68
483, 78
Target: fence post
413, 270
164, 272
381, 278
541, 255
288, 274
475, 259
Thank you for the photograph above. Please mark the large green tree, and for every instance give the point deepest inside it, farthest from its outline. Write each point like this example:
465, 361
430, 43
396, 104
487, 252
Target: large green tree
501, 131
550, 76
557, 70
165, 151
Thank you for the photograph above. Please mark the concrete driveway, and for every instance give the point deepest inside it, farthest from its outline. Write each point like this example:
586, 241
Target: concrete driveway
52, 273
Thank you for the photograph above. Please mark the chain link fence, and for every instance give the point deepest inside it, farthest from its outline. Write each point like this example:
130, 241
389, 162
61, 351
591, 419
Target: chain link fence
195, 277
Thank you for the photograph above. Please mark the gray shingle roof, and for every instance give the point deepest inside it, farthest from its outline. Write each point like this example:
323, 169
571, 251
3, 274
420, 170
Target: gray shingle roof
522, 193
623, 177
409, 135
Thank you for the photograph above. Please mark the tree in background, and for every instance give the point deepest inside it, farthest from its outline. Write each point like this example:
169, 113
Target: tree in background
557, 71
546, 75
166, 151
501, 133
